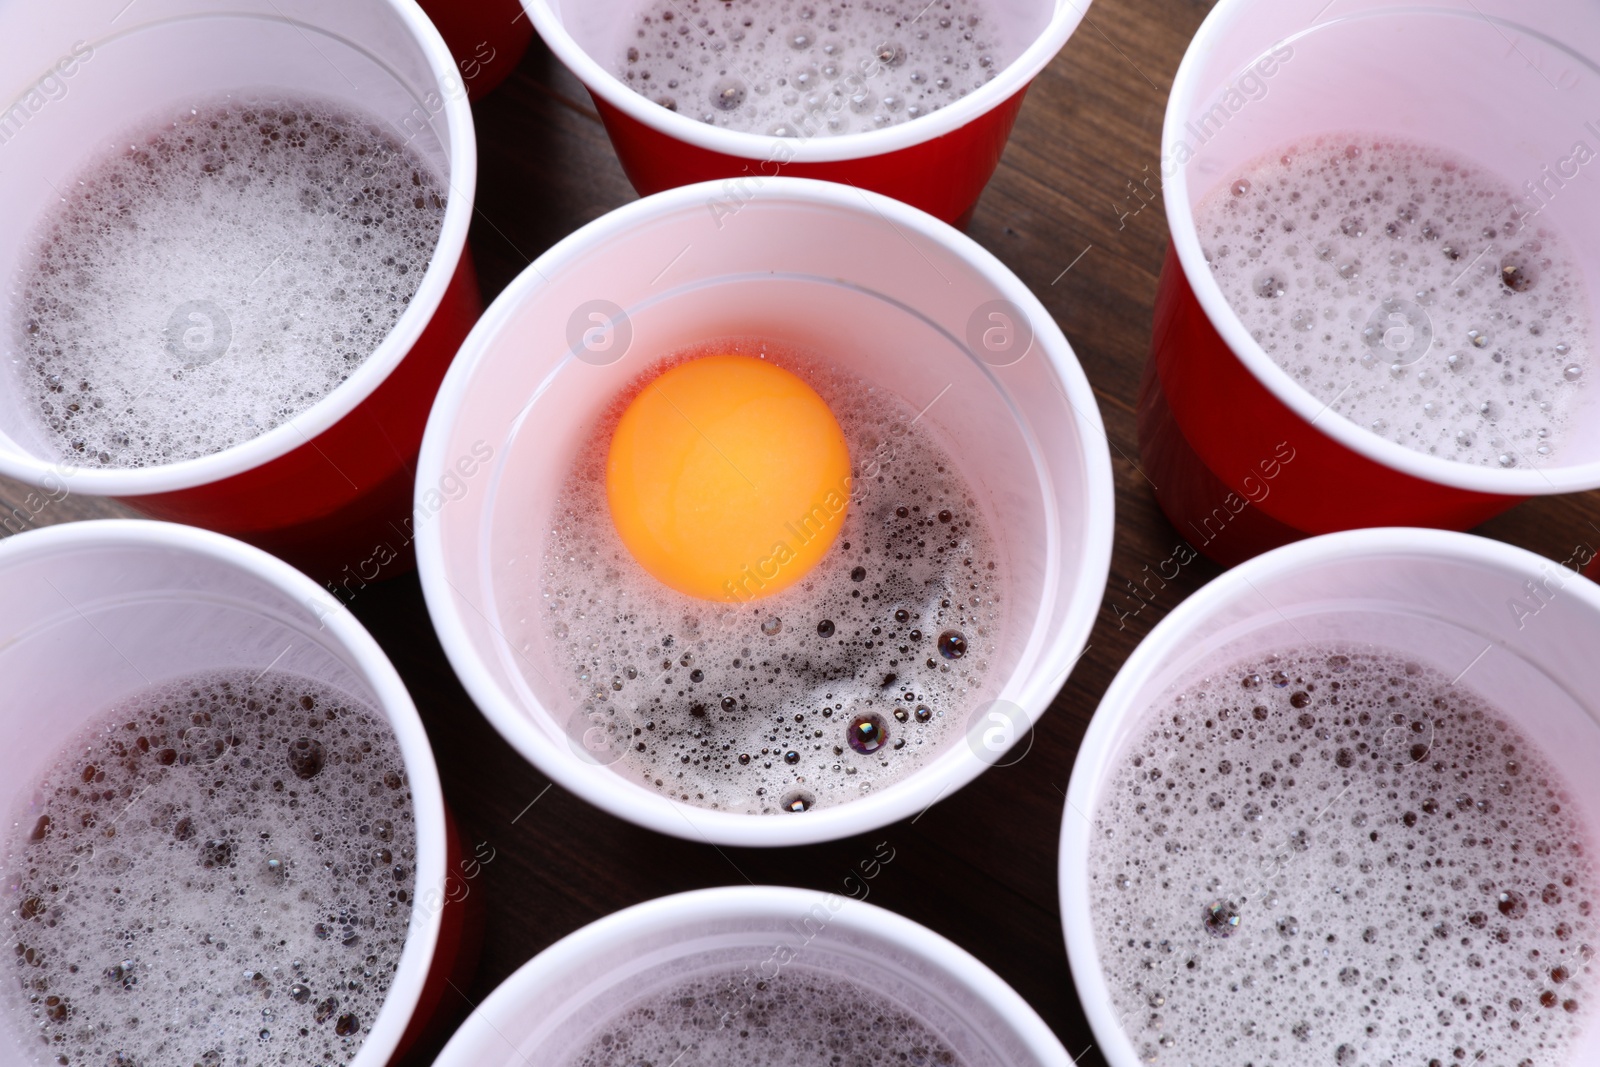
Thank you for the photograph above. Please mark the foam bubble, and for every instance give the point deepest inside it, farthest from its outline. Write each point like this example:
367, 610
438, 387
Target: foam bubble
216, 274
1337, 856
796, 1018
795, 68
1410, 291
187, 889
758, 707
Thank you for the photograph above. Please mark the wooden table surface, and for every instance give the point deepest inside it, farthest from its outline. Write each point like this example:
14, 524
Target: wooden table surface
979, 867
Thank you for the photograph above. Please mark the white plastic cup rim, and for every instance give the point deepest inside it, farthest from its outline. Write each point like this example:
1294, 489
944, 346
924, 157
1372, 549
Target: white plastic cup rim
1166, 640
1181, 104
1011, 80
508, 1008
604, 788
422, 776
365, 379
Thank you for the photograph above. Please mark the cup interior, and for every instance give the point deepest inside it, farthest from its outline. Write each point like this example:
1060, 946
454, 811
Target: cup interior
1510, 87
82, 79
605, 29
1443, 612
591, 38
567, 996
890, 345
810, 267
1443, 599
100, 612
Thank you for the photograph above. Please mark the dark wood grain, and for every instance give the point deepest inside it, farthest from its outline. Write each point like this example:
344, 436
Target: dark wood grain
980, 866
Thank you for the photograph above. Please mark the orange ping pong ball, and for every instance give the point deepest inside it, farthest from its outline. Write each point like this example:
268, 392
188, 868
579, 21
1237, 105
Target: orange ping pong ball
728, 478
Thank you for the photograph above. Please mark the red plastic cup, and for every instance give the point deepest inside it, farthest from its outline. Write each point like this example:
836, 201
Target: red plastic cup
1514, 628
1242, 457
97, 612
487, 37
325, 488
939, 163
557, 1003
897, 300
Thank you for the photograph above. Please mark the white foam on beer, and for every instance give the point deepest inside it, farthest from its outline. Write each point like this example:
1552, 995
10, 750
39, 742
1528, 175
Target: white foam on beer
1317, 246
708, 702
177, 893
798, 68
300, 228
1411, 879
797, 1018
